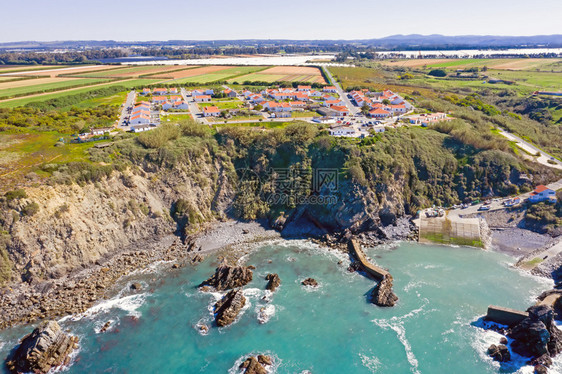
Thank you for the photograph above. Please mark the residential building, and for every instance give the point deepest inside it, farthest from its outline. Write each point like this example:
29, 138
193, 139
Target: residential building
202, 98
141, 128
542, 193
211, 111
379, 113
329, 89
340, 110
159, 91
145, 91
229, 93
342, 131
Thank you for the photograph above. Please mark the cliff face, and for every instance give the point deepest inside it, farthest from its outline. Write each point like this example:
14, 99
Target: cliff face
75, 226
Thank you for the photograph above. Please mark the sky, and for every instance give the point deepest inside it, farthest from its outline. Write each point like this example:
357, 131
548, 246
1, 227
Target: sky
126, 20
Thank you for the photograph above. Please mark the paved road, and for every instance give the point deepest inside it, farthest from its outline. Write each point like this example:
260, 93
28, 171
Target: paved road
533, 150
353, 110
129, 102
194, 108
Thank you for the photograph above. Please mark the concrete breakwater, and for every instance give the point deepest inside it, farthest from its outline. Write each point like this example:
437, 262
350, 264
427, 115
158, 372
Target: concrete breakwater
382, 294
375, 271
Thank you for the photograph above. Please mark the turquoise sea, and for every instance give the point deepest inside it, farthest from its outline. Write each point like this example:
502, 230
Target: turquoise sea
332, 329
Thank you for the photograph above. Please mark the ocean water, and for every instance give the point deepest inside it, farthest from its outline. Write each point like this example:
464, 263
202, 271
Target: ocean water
332, 329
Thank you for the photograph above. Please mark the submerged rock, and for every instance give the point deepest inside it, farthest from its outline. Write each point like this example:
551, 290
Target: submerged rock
382, 294
228, 277
273, 282
228, 308
136, 286
254, 365
46, 347
499, 353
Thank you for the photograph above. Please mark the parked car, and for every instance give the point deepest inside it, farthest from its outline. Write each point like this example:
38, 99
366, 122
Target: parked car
484, 208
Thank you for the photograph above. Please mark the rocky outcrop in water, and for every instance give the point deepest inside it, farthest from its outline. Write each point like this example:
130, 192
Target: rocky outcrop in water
228, 308
227, 277
382, 294
311, 282
537, 335
46, 347
256, 365
273, 282
499, 353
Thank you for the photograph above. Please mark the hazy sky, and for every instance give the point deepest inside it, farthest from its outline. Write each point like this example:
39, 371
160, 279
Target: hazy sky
263, 19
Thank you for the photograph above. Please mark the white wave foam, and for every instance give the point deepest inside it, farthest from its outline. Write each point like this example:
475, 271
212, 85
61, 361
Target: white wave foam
370, 362
265, 313
98, 326
398, 327
128, 304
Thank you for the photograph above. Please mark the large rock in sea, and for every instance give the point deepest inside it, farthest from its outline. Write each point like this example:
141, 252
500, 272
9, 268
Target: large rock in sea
273, 282
255, 365
499, 353
228, 308
46, 347
537, 334
382, 294
227, 277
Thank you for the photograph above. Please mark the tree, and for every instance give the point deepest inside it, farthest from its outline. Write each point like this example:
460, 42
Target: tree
438, 73
386, 102
365, 109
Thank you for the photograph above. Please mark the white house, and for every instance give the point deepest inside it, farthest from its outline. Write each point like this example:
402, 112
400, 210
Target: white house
211, 111
181, 105
329, 89
342, 131
167, 105
542, 193
141, 128
202, 98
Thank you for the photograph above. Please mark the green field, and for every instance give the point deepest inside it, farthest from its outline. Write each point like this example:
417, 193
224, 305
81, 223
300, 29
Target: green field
28, 90
221, 75
235, 104
116, 99
306, 113
115, 72
126, 84
258, 78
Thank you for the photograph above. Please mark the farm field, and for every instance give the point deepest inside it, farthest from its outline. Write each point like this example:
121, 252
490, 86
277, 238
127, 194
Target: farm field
29, 86
190, 72
376, 79
286, 74
126, 84
5, 69
66, 70
546, 64
130, 72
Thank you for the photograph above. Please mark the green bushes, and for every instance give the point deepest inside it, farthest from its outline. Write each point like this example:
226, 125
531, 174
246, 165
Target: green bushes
5, 263
15, 194
160, 136
30, 209
438, 73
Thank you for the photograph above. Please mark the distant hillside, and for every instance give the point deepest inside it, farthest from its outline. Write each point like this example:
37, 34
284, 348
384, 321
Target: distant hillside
414, 41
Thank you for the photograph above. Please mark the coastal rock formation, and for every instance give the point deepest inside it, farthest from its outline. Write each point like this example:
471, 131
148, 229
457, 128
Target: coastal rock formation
310, 282
273, 282
499, 353
255, 365
228, 277
537, 335
228, 308
46, 347
382, 294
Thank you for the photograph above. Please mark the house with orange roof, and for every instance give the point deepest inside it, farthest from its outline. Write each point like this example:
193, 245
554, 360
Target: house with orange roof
145, 91
304, 88
211, 111
175, 98
159, 91
333, 102
379, 113
202, 98
329, 89
159, 99
173, 91
340, 110
229, 93
542, 193
297, 104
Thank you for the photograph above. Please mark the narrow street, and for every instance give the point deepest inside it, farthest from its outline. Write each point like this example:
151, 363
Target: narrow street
353, 110
129, 102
